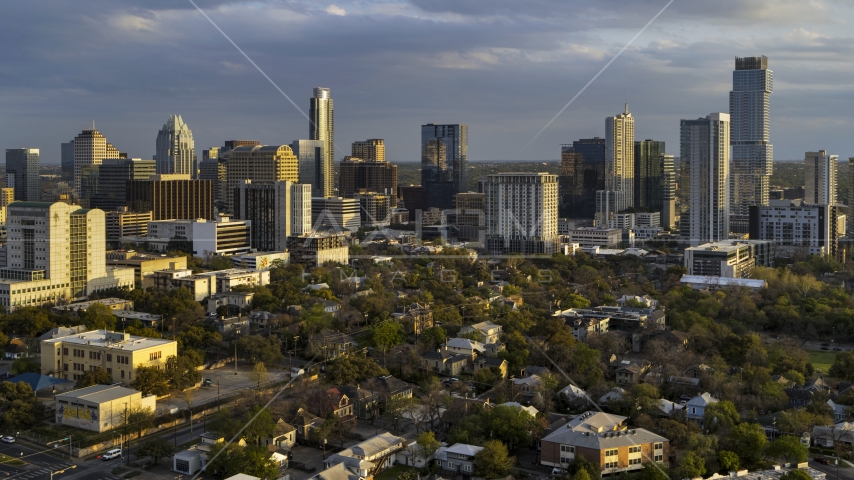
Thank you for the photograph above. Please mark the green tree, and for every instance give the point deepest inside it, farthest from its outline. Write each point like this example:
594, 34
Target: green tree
259, 374
692, 465
720, 415
510, 425
582, 475
351, 370
181, 370
23, 409
432, 338
315, 320
98, 317
225, 423
728, 461
580, 463
25, 365
843, 366
230, 460
139, 419
493, 461
28, 322
256, 348
94, 377
651, 471
156, 449
788, 448
796, 475
259, 424
150, 380
427, 443
748, 439
387, 335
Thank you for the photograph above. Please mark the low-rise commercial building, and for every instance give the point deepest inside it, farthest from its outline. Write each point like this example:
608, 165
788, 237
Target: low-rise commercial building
70, 356
144, 264
201, 287
100, 407
259, 260
729, 258
317, 249
595, 237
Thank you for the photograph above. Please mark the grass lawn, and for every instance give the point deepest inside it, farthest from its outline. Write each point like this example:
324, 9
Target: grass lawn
393, 472
7, 460
822, 359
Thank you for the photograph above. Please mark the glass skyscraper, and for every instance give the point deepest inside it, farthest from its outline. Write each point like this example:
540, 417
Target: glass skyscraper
176, 151
444, 163
582, 174
311, 155
648, 175
22, 173
322, 127
752, 154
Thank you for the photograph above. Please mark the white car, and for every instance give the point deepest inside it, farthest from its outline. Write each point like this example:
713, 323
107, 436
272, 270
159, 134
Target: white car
8, 439
111, 454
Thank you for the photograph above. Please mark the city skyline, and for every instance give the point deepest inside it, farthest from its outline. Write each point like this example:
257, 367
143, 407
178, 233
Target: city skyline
678, 67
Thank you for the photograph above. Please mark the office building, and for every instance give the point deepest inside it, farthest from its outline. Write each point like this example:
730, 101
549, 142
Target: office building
820, 178
358, 175
319, 248
22, 173
444, 163
796, 227
850, 220
322, 127
67, 159
311, 156
649, 175
171, 197
521, 213
100, 407
55, 254
275, 210
704, 155
336, 214
470, 217
214, 169
414, 199
176, 151
619, 166
224, 236
668, 192
113, 178
90, 148
144, 264
372, 150
752, 154
120, 354
729, 258
260, 164
259, 260
7, 196
374, 209
124, 223
582, 175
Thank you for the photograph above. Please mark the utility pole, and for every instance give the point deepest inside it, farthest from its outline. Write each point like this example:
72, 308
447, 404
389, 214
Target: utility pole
217, 393
126, 431
235, 358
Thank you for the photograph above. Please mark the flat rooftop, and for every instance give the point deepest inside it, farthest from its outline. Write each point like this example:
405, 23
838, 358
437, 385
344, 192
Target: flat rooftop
98, 393
114, 340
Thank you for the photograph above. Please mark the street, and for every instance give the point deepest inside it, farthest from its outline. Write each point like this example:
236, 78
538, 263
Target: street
41, 464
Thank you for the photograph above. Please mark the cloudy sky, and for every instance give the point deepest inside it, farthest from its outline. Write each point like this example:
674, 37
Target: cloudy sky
504, 67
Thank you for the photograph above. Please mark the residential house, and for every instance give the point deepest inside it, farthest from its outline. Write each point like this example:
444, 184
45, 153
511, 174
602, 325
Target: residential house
195, 458
499, 364
585, 327
827, 436
284, 435
329, 306
465, 346
696, 407
458, 459
305, 422
573, 393
528, 385
379, 450
485, 332
840, 412
445, 361
231, 325
369, 397
644, 300
668, 409
802, 396
415, 318
697, 371
342, 407
16, 348
530, 410
605, 440
346, 468
615, 395
630, 372
330, 344
278, 455
534, 370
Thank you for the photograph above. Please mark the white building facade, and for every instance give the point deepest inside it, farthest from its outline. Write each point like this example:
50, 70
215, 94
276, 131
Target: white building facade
820, 178
175, 148
521, 213
705, 153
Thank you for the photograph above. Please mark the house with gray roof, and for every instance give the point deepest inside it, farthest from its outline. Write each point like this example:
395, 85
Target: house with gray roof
458, 459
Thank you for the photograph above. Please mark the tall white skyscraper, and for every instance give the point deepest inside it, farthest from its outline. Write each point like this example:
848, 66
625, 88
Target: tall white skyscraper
619, 166
820, 178
322, 127
90, 148
704, 151
176, 151
521, 213
752, 154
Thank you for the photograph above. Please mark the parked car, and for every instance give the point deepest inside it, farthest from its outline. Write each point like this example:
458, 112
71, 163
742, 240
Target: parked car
296, 372
8, 439
207, 382
821, 460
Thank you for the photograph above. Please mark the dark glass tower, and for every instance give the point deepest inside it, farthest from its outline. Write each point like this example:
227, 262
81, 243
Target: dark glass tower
444, 163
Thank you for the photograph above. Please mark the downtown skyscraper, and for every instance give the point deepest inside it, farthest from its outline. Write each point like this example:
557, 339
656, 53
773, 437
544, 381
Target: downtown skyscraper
322, 127
619, 192
444, 163
752, 154
820, 178
176, 151
22, 173
90, 148
704, 149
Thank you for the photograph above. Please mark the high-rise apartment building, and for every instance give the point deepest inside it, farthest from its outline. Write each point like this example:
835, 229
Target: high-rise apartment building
372, 150
796, 227
22, 168
668, 192
172, 197
704, 152
322, 127
319, 248
55, 253
113, 178
176, 151
67, 159
649, 175
336, 214
820, 178
374, 208
444, 163
276, 211
90, 148
470, 216
582, 175
311, 155
521, 213
260, 164
619, 166
367, 176
752, 154
850, 219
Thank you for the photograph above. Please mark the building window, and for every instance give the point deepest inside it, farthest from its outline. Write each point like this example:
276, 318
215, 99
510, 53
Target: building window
109, 357
110, 371
610, 464
634, 449
658, 446
123, 374
659, 458
154, 355
65, 350
466, 467
452, 465
611, 453
634, 461
567, 448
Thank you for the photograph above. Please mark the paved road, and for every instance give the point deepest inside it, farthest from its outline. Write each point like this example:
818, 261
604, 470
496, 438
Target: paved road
40, 465
830, 470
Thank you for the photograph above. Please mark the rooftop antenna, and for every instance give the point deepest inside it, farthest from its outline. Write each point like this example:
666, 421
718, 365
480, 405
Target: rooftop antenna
627, 112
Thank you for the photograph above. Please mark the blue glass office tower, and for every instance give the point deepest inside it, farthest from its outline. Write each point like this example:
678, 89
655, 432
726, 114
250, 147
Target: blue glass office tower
444, 163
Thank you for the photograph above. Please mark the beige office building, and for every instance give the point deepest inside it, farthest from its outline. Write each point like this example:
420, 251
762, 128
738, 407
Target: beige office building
372, 150
123, 223
144, 264
100, 407
260, 164
7, 196
120, 354
90, 148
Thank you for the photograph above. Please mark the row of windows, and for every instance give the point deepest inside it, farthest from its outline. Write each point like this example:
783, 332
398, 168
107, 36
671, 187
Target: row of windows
611, 453
636, 449
154, 355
